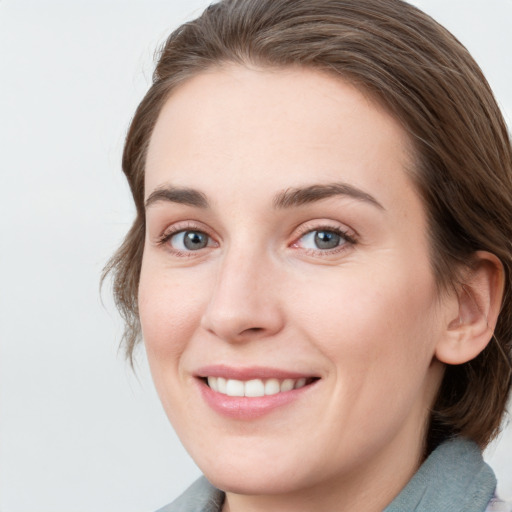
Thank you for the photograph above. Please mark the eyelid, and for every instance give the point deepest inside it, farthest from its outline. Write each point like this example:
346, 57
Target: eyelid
325, 225
349, 234
181, 226
345, 232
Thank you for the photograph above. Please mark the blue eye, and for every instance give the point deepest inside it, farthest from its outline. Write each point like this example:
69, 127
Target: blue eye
189, 240
322, 239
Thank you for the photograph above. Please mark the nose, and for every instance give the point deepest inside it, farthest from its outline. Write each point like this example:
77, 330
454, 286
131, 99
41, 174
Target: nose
244, 303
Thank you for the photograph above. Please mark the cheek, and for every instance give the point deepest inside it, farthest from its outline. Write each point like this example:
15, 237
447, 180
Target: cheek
383, 322
169, 314
379, 335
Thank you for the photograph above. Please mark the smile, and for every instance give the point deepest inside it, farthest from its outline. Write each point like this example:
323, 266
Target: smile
250, 393
255, 387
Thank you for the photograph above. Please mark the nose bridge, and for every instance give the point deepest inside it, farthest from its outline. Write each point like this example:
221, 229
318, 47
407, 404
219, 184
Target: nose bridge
242, 304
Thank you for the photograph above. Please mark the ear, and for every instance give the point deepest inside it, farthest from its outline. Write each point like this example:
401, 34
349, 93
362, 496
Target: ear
474, 317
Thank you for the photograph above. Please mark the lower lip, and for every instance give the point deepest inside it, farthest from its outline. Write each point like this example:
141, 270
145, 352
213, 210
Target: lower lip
249, 408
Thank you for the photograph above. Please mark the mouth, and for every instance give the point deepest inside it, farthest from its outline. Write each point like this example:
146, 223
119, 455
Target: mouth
248, 393
255, 388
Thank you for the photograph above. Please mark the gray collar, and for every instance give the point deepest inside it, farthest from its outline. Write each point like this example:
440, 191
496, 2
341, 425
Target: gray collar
454, 477
201, 496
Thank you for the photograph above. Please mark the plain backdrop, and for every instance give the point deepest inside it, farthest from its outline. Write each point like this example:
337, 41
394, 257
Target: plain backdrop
78, 430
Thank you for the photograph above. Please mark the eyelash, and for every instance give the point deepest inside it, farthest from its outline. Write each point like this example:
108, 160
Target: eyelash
180, 228
349, 239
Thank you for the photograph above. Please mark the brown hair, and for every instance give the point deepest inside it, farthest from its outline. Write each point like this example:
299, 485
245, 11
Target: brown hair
430, 83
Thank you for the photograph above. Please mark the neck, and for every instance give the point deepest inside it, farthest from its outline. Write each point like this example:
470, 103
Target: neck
375, 484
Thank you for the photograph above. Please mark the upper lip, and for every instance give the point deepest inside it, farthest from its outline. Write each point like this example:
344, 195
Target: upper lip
249, 372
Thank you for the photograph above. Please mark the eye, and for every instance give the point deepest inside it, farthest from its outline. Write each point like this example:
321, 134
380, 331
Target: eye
323, 239
189, 240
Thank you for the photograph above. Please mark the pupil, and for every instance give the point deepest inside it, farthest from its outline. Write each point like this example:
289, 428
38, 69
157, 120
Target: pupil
194, 240
327, 240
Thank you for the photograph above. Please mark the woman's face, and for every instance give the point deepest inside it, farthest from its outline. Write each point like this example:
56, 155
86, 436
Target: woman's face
287, 248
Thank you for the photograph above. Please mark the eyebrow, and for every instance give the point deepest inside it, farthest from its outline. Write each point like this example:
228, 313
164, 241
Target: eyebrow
289, 198
292, 197
187, 196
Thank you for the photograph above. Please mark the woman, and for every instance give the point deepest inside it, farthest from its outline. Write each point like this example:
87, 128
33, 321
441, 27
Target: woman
320, 266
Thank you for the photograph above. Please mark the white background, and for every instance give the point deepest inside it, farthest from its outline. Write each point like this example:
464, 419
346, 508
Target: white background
78, 431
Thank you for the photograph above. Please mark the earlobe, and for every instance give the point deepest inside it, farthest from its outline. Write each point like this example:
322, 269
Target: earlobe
478, 305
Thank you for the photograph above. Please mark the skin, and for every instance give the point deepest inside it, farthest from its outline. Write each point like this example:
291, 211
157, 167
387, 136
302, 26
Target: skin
365, 317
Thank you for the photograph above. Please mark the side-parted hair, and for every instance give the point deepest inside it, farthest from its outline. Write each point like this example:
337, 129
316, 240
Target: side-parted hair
429, 82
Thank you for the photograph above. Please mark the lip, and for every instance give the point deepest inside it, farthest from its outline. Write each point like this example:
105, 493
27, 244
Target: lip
248, 373
249, 408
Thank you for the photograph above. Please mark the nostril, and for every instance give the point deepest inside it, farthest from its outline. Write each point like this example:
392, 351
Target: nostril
253, 330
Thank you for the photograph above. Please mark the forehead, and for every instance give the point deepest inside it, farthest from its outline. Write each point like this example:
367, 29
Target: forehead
287, 127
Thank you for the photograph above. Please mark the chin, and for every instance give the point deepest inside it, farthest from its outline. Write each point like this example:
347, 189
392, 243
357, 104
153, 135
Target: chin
264, 470
262, 481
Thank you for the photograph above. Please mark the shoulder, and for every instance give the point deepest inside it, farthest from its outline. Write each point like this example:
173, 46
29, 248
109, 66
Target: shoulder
201, 496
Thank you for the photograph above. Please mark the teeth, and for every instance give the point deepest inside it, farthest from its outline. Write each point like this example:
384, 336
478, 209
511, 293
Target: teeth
254, 387
287, 385
300, 383
272, 387
235, 388
213, 383
221, 385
